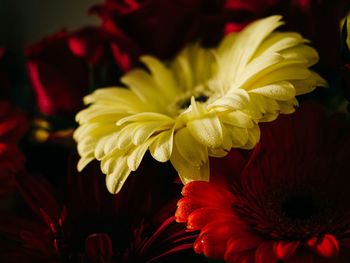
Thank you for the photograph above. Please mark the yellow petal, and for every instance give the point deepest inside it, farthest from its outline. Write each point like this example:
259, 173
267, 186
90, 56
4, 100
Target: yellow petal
279, 91
144, 131
110, 161
193, 66
94, 114
116, 179
257, 68
217, 152
278, 42
237, 118
288, 107
235, 99
135, 157
233, 59
253, 137
84, 160
309, 84
239, 136
96, 130
262, 105
281, 74
190, 149
140, 83
86, 145
144, 117
162, 147
123, 138
305, 54
207, 131
186, 170
116, 98
110, 94
255, 33
162, 76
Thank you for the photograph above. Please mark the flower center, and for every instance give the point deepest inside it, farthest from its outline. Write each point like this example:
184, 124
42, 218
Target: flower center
183, 100
299, 206
186, 102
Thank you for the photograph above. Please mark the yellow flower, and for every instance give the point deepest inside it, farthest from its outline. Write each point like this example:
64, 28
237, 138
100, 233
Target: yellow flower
202, 104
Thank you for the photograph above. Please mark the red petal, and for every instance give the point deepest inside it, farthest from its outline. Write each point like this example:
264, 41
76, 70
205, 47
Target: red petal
205, 215
98, 246
326, 246
122, 57
202, 194
284, 249
200, 189
264, 253
185, 207
213, 239
241, 243
87, 43
247, 256
38, 194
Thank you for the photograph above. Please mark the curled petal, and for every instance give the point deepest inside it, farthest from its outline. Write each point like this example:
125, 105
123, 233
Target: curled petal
284, 250
327, 246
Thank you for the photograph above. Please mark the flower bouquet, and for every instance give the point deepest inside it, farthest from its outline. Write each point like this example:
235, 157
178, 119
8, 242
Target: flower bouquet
181, 131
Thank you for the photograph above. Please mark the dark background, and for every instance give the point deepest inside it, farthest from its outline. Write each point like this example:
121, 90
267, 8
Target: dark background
26, 22
23, 22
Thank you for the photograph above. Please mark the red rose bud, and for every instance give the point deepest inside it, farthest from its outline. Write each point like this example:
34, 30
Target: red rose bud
59, 78
88, 43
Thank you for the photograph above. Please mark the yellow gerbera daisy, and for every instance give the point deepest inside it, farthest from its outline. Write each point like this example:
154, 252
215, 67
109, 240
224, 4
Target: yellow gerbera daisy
202, 104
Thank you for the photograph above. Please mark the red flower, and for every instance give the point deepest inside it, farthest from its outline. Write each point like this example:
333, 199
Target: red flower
88, 43
59, 78
289, 203
163, 27
13, 125
90, 225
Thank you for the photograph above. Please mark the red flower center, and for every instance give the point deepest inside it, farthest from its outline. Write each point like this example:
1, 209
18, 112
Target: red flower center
299, 207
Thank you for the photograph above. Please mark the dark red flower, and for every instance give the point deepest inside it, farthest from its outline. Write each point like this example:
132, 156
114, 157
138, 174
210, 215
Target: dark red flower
163, 27
88, 43
59, 78
13, 125
88, 224
289, 203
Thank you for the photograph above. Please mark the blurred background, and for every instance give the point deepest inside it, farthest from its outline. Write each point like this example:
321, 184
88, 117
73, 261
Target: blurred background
23, 22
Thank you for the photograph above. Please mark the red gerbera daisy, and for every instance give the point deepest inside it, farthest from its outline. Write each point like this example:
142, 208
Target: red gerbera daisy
288, 203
